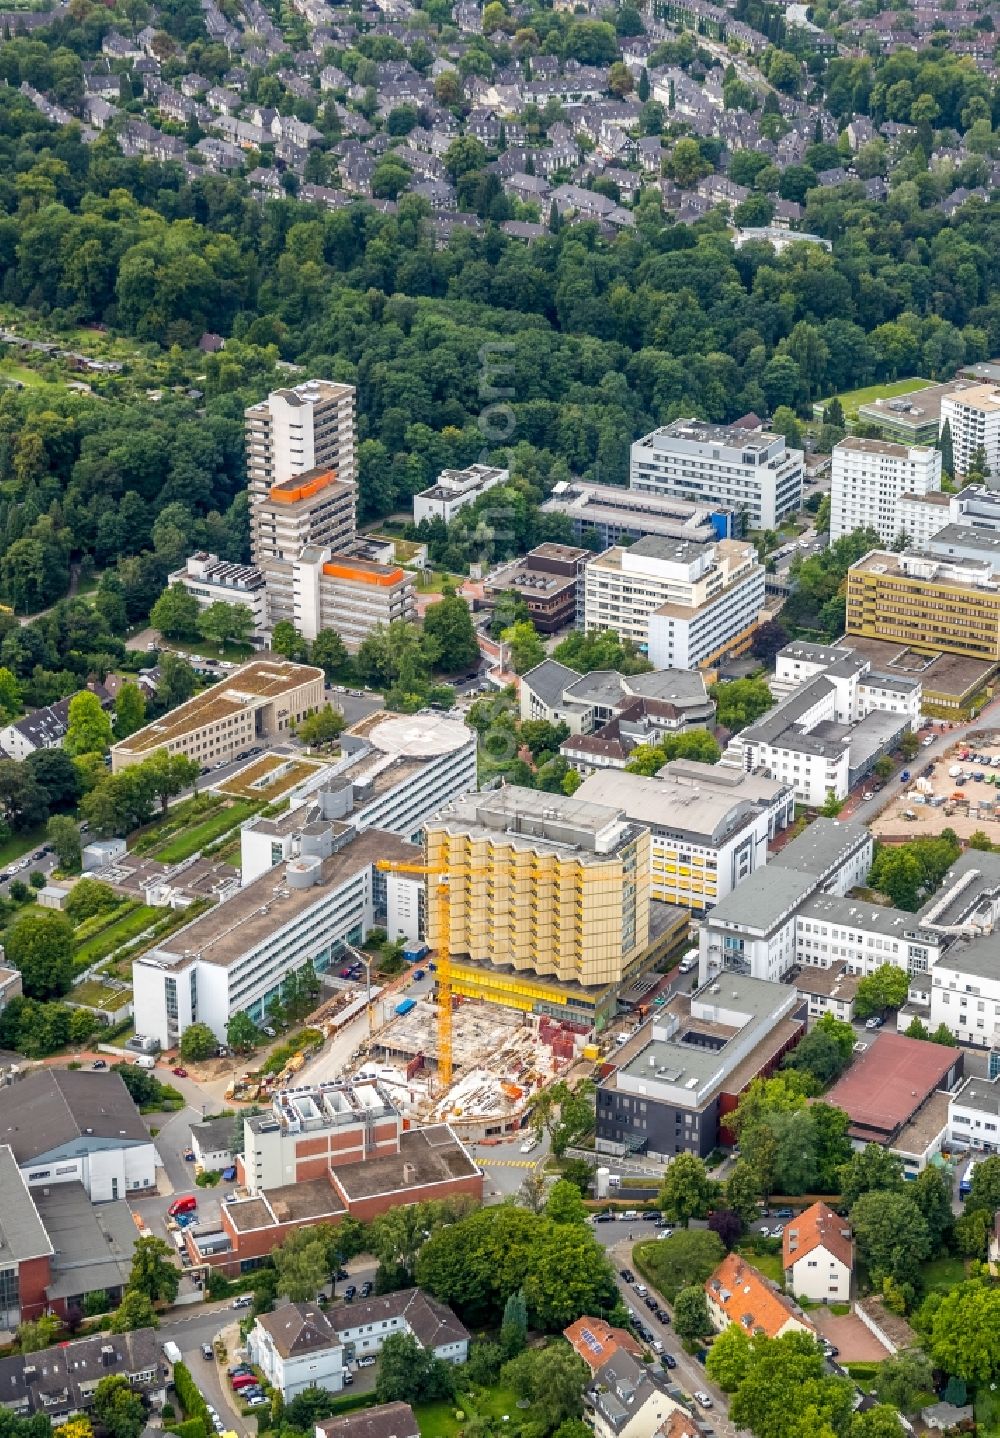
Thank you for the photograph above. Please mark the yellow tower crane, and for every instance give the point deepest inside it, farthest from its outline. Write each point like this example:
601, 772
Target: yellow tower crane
441, 899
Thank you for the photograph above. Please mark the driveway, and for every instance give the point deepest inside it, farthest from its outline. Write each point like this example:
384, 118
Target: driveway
849, 1334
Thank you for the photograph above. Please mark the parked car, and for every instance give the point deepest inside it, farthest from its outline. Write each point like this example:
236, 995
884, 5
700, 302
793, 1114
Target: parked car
350, 1293
784, 1213
663, 1315
703, 1398
179, 1072
206, 1352
627, 1275
99, 1064
875, 1022
367, 1362
650, 1216
366, 1289
244, 1300
668, 1360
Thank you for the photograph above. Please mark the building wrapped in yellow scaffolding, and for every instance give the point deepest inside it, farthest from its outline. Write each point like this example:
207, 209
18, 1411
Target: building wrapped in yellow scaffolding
547, 907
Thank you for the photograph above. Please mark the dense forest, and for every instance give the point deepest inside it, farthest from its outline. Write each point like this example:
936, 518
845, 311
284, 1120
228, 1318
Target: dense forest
583, 342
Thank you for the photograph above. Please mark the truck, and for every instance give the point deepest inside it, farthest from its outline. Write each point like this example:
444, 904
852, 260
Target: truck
171, 1352
954, 771
405, 1006
145, 1061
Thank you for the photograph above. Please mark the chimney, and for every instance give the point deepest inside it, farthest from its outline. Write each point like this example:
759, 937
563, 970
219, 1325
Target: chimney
409, 1172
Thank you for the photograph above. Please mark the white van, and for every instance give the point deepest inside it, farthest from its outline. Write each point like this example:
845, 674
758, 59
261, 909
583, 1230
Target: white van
689, 962
146, 1061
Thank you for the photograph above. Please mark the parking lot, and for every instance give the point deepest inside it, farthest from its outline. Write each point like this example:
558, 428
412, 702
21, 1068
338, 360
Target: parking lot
962, 789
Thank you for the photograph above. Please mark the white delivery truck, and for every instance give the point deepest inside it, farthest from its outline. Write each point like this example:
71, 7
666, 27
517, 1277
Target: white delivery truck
171, 1352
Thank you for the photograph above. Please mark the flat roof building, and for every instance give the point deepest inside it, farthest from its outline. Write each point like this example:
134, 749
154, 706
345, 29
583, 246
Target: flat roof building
539, 884
300, 428
608, 514
684, 604
926, 602
25, 1248
890, 1082
869, 478
313, 510
211, 580
261, 700
549, 579
913, 418
350, 595
456, 488
973, 414
677, 1080
749, 472
703, 842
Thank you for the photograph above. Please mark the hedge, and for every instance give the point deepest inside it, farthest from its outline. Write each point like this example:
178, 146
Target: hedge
352, 1401
191, 1401
191, 1428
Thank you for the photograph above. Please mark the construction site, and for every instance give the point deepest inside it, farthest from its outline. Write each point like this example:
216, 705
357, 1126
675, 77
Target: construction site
962, 790
501, 1059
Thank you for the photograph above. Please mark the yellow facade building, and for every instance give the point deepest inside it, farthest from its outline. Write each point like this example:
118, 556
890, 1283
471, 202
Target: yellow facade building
547, 898
948, 605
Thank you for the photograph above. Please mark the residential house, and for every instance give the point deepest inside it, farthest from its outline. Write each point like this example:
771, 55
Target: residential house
44, 728
61, 1381
818, 1255
386, 1420
624, 1402
297, 1348
737, 1293
365, 1326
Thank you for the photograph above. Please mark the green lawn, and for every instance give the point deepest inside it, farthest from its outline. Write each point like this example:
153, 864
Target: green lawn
10, 370
191, 840
769, 1264
20, 844
232, 653
437, 1420
96, 995
116, 934
942, 1274
855, 397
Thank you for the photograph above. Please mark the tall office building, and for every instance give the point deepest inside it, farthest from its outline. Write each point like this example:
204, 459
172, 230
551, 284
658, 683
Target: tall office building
870, 477
753, 474
926, 602
544, 894
974, 418
308, 427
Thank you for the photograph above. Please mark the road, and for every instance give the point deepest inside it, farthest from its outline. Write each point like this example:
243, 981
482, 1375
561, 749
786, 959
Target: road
689, 1375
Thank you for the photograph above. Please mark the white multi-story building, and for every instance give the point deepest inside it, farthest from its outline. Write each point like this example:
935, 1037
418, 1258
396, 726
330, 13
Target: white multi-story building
818, 1255
973, 415
349, 595
685, 604
869, 478
305, 427
751, 473
753, 931
212, 580
974, 1115
234, 958
965, 992
296, 1348
456, 488
922, 515
859, 689
703, 841
396, 772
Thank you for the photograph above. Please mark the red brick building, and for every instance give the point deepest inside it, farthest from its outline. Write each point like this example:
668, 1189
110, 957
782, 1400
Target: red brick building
322, 1153
25, 1250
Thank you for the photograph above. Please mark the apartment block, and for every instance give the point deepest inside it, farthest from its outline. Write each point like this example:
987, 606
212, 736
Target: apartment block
456, 488
753, 474
353, 596
703, 840
549, 579
674, 1084
869, 477
305, 427
926, 602
259, 701
608, 514
212, 580
973, 414
539, 885
684, 604
314, 509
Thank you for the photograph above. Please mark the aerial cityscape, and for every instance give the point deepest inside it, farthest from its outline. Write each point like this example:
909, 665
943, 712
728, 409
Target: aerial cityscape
499, 719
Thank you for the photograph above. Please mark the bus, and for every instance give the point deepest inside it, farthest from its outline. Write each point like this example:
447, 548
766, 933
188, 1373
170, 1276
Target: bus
965, 1184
